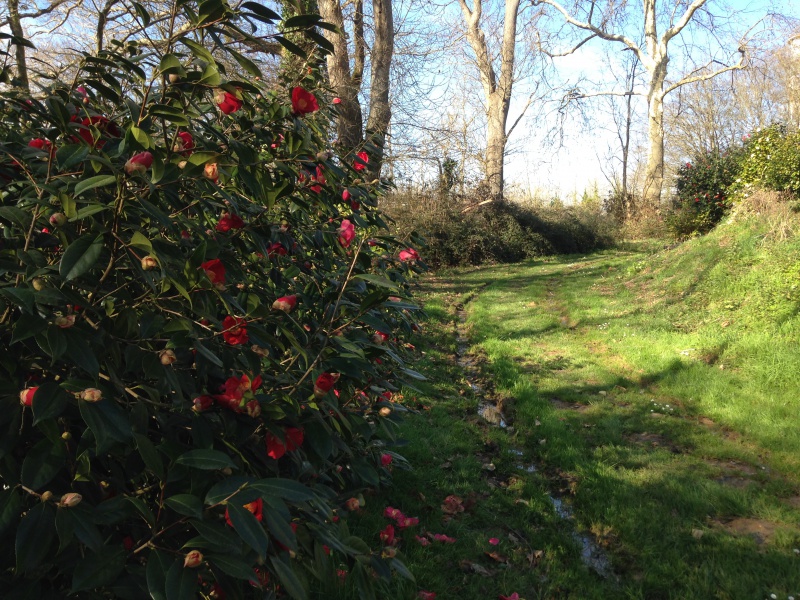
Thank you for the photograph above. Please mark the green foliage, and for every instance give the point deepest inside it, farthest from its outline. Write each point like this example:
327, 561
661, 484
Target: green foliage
771, 161
702, 192
156, 399
498, 233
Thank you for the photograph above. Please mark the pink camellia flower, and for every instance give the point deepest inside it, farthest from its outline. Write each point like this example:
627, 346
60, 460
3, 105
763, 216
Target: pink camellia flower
324, 383
514, 596
228, 103
293, 439
229, 221
211, 171
337, 100
423, 595
320, 180
26, 396
379, 337
441, 537
494, 541
103, 124
423, 541
139, 163
285, 303
215, 271
408, 522
408, 254
386, 460
392, 513
347, 232
386, 535
361, 163
70, 500
58, 219
303, 102
184, 143
234, 330
346, 195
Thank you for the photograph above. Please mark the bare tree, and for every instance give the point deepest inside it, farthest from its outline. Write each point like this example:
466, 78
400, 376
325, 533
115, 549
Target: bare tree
660, 28
347, 82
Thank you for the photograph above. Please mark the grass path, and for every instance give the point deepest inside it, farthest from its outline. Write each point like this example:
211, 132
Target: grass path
645, 433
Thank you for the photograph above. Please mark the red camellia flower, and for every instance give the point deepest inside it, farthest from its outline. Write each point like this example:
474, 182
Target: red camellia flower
228, 221
285, 303
423, 595
324, 383
234, 391
41, 144
514, 596
215, 271
26, 396
256, 507
408, 254
202, 403
103, 124
228, 103
235, 330
386, 460
276, 249
303, 102
184, 143
387, 535
347, 232
139, 163
293, 439
361, 163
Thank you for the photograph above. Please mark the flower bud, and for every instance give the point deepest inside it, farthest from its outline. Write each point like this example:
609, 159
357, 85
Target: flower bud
386, 460
202, 403
58, 219
70, 500
66, 436
385, 411
65, 322
174, 78
26, 396
259, 350
389, 552
210, 171
38, 284
352, 504
91, 395
47, 496
149, 263
167, 357
139, 163
193, 559
285, 303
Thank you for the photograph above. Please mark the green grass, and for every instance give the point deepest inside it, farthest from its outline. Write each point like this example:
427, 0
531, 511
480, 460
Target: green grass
656, 394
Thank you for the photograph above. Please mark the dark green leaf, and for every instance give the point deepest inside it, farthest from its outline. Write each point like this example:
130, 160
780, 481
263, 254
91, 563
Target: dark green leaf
158, 564
150, 456
288, 578
186, 504
10, 506
291, 46
205, 459
378, 280
80, 256
235, 567
280, 529
49, 401
181, 582
262, 11
248, 528
81, 352
171, 64
34, 536
94, 182
42, 463
301, 21
98, 570
284, 488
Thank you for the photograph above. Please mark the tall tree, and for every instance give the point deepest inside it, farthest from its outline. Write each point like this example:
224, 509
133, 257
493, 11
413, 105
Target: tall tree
497, 79
347, 80
660, 27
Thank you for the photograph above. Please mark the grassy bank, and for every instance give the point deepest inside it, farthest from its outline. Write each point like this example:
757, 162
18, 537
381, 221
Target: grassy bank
653, 398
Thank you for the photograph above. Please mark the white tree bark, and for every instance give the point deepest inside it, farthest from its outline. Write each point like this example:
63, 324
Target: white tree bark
654, 57
496, 87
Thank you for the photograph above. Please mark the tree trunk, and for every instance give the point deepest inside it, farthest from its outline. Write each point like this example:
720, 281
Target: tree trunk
380, 111
654, 172
495, 150
15, 24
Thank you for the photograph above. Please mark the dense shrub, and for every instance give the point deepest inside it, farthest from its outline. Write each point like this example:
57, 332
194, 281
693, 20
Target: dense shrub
702, 192
771, 161
505, 233
200, 338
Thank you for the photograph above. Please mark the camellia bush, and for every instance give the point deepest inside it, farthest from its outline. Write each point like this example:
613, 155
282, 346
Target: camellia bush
202, 320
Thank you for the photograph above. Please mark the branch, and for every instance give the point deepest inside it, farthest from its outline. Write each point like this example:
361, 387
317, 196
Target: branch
738, 66
601, 33
39, 13
683, 21
571, 50
360, 44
